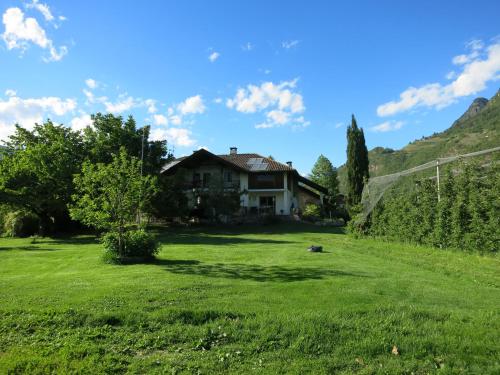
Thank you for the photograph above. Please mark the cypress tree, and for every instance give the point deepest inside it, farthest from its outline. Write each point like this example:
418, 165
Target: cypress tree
357, 163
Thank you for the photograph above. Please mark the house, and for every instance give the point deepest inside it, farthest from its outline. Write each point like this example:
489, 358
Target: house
264, 186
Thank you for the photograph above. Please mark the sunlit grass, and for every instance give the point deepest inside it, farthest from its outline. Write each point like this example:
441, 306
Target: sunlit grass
248, 300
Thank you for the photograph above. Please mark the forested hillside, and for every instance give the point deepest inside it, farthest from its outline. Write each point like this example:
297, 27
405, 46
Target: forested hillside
478, 128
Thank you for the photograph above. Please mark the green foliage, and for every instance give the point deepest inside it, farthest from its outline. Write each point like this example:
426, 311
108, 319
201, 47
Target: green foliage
20, 224
311, 212
4, 210
357, 163
466, 217
109, 196
111, 133
112, 196
138, 244
324, 174
171, 201
36, 173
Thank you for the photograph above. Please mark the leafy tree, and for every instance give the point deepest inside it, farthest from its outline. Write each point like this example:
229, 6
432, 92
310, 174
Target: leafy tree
37, 169
324, 174
110, 133
357, 163
110, 196
171, 201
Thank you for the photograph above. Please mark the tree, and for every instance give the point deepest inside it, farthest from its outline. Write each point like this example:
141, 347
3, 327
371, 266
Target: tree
110, 196
324, 174
37, 169
357, 163
171, 200
110, 133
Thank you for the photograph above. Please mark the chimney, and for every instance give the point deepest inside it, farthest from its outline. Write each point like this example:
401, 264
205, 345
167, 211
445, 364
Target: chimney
289, 163
233, 150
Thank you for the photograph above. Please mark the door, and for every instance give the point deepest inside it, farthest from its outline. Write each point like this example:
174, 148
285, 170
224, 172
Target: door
267, 205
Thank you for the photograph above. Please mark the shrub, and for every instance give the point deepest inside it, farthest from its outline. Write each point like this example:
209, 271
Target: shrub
21, 224
138, 245
312, 212
4, 210
269, 220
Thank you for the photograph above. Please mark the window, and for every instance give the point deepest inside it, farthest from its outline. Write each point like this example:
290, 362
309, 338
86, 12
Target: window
267, 205
196, 180
206, 179
265, 181
228, 176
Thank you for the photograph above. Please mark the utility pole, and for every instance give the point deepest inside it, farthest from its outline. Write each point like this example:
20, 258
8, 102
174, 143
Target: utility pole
142, 162
437, 176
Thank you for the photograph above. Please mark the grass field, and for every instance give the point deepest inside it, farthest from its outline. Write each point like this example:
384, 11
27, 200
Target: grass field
249, 300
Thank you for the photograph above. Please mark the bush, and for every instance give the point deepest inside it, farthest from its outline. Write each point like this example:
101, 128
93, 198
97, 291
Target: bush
138, 245
4, 210
20, 224
312, 212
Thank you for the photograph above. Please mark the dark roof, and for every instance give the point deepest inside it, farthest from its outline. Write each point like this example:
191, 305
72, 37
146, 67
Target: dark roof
312, 184
244, 161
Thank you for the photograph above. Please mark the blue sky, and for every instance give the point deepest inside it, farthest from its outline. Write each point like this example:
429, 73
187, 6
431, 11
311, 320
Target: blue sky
276, 78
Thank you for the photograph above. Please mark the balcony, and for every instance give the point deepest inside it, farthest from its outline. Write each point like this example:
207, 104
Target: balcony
190, 185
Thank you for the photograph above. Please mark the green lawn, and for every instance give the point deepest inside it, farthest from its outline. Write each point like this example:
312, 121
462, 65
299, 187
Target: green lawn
249, 300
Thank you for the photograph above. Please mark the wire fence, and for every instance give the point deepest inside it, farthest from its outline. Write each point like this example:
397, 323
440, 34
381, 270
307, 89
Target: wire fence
376, 187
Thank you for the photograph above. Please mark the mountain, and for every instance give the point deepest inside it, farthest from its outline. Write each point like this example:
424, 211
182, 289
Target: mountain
477, 129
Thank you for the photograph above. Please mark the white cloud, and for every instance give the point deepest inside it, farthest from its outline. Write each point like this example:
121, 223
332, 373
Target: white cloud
91, 83
176, 136
279, 102
193, 104
160, 120
123, 104
151, 104
214, 56
20, 32
287, 44
10, 92
387, 126
27, 112
81, 122
176, 120
451, 74
218, 100
264, 125
42, 8
476, 73
339, 125
278, 117
257, 98
247, 46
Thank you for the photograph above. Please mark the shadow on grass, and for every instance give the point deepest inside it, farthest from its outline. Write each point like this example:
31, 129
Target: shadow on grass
201, 238
279, 228
251, 272
67, 240
26, 248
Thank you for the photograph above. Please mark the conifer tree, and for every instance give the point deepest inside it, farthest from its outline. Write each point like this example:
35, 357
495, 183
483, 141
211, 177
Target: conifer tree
357, 163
